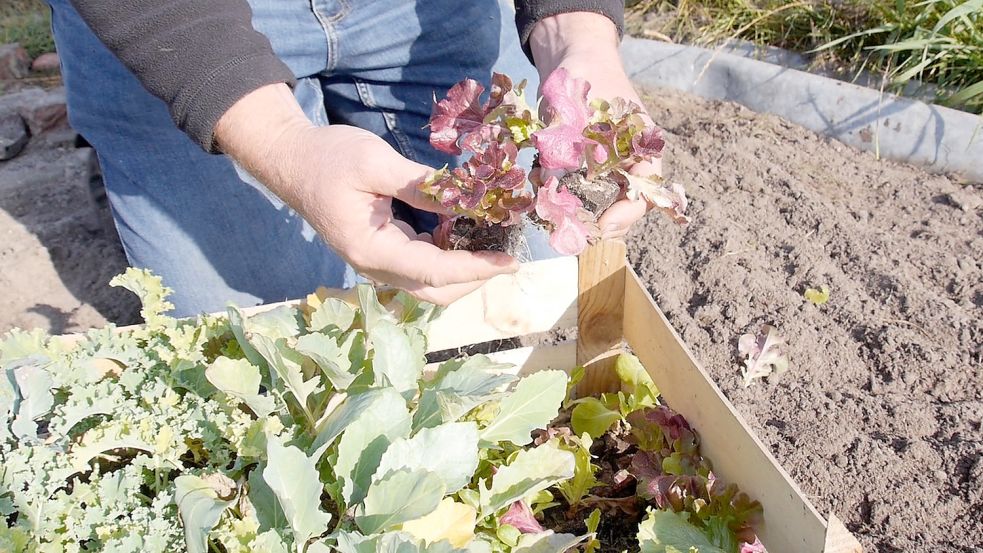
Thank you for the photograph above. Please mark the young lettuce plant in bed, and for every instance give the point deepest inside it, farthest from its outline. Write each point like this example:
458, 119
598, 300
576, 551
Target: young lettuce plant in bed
639, 463
584, 154
314, 429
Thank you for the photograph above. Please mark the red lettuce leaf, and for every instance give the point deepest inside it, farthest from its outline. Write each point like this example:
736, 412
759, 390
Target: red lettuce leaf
522, 518
561, 144
563, 211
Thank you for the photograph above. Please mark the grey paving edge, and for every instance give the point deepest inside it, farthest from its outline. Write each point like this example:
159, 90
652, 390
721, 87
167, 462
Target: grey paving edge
938, 138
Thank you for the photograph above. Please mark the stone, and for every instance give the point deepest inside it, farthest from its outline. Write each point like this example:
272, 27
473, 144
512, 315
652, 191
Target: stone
46, 63
13, 135
14, 62
43, 111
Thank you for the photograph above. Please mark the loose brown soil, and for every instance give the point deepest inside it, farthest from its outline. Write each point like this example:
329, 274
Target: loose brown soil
597, 195
467, 235
879, 417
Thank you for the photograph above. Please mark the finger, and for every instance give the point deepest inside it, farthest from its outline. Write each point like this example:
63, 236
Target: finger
618, 218
446, 295
391, 174
407, 187
647, 168
413, 264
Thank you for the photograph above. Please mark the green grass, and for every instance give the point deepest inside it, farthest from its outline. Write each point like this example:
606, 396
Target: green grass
27, 22
934, 41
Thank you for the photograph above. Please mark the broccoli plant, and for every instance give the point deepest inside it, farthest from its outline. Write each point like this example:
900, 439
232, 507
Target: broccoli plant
585, 151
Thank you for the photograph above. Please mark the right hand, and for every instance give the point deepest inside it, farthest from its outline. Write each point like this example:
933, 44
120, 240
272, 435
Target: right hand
342, 180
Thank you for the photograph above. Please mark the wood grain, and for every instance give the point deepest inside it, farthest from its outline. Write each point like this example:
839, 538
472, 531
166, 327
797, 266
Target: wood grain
839, 539
541, 297
600, 314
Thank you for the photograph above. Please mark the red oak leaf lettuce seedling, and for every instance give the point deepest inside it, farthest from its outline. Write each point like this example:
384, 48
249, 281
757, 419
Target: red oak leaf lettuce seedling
765, 354
566, 214
585, 154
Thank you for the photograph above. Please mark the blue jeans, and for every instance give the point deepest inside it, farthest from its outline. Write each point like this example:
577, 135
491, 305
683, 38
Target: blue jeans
215, 235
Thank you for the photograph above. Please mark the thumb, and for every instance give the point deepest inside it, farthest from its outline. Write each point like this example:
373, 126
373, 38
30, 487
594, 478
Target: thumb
400, 177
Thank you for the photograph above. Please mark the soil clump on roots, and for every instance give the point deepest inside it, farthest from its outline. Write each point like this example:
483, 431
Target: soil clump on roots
597, 195
469, 235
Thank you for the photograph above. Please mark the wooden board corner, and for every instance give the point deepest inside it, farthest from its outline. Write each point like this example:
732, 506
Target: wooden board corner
839, 539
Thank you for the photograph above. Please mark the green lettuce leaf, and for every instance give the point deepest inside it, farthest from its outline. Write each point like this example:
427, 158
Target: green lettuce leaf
366, 439
671, 532
293, 477
533, 403
395, 362
399, 497
240, 379
459, 386
450, 451
531, 471
200, 508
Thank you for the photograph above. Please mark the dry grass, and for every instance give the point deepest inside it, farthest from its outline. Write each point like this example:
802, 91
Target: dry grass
934, 41
27, 22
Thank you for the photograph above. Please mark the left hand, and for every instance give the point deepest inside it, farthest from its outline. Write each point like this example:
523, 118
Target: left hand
586, 45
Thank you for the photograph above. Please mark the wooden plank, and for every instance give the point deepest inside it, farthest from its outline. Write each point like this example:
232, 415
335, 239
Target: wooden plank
527, 360
791, 524
600, 312
839, 539
541, 297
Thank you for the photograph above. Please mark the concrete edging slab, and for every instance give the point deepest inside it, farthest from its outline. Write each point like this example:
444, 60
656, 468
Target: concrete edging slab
939, 138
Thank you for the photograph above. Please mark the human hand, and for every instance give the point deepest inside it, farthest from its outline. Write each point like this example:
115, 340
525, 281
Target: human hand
342, 179
586, 45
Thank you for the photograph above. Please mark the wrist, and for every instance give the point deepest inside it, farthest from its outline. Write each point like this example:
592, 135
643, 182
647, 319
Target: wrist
261, 132
583, 35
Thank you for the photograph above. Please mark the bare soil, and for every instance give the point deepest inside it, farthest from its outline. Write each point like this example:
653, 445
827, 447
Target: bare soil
58, 247
879, 417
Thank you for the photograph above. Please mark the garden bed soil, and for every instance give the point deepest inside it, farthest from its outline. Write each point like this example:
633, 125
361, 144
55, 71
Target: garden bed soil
879, 416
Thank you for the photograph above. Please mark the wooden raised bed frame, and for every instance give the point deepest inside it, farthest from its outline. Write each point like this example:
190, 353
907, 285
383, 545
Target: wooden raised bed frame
612, 311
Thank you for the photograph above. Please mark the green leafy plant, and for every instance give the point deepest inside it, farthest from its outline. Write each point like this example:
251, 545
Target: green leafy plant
312, 429
817, 296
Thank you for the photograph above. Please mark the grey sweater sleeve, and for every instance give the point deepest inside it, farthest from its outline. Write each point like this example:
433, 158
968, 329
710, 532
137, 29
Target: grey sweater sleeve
200, 57
530, 12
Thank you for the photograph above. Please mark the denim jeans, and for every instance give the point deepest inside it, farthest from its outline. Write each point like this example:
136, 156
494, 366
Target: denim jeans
213, 233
